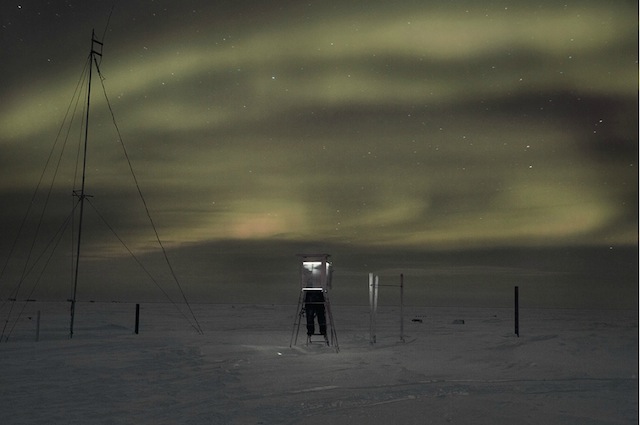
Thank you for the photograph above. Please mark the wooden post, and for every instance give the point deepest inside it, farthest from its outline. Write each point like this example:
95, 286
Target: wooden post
516, 312
137, 318
38, 326
401, 307
375, 305
371, 310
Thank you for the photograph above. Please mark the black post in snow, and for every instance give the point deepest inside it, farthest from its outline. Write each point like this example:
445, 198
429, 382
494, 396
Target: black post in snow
516, 313
137, 318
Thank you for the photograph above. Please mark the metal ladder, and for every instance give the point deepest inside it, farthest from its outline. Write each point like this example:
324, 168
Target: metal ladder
331, 339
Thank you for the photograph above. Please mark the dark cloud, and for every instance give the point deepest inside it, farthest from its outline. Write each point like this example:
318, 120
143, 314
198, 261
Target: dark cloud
361, 125
234, 271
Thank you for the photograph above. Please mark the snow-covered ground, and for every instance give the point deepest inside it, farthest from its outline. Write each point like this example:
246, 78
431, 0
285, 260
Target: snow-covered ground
567, 367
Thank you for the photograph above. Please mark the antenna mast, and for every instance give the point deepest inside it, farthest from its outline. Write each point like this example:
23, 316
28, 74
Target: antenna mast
96, 50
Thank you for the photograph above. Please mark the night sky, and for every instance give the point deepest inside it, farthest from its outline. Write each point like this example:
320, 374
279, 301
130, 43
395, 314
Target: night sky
384, 133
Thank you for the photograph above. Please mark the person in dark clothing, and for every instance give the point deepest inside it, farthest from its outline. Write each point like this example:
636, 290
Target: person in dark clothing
314, 307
